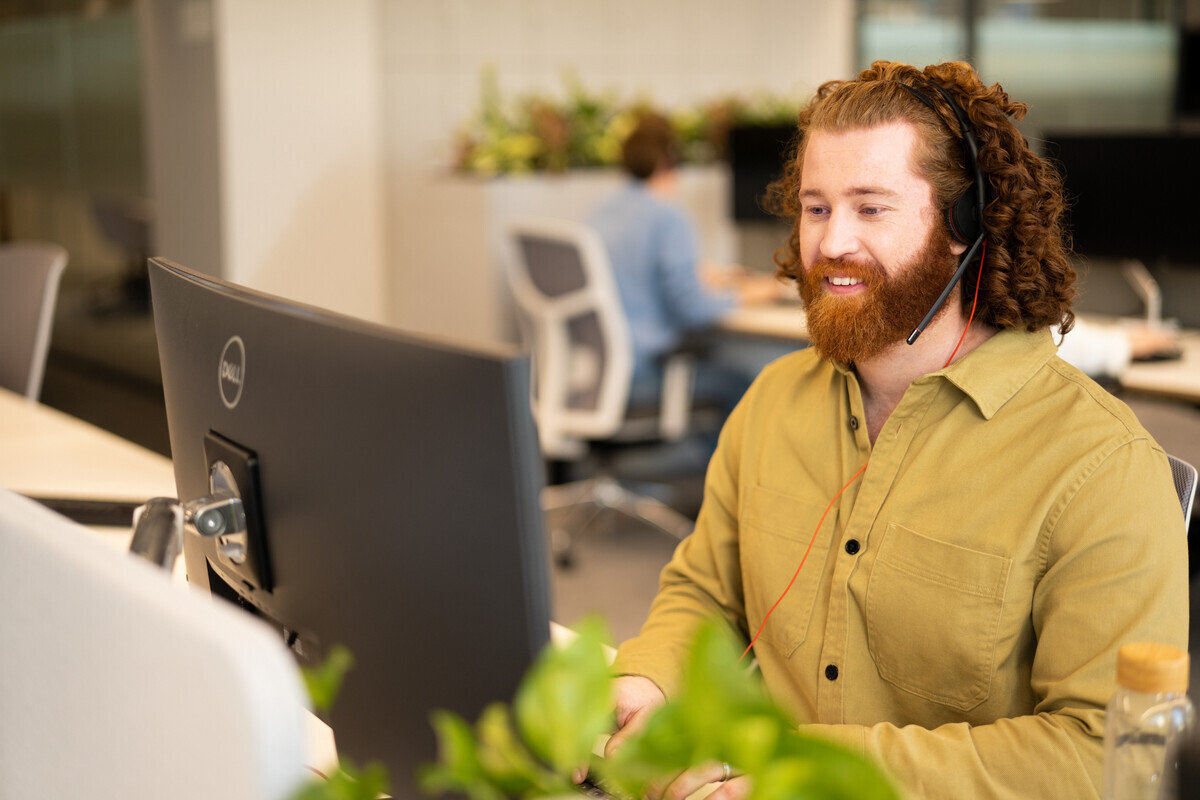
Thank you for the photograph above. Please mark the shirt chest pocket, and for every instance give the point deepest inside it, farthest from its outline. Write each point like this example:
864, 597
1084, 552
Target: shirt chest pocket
776, 531
933, 616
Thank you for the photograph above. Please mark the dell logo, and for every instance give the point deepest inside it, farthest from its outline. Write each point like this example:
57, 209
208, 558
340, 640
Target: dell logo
231, 372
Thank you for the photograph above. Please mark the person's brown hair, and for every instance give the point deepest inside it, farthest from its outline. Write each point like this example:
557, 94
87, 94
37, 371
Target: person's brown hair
652, 144
1027, 277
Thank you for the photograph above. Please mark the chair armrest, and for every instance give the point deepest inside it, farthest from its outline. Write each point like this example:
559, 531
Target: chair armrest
679, 381
698, 343
679, 374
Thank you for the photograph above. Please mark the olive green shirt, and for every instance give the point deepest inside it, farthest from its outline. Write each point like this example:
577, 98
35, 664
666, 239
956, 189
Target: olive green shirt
959, 614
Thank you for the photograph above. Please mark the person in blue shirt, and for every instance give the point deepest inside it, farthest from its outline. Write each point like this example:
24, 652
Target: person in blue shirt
655, 258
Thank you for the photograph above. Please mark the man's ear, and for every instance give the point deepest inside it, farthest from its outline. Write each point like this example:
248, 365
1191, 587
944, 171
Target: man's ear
957, 247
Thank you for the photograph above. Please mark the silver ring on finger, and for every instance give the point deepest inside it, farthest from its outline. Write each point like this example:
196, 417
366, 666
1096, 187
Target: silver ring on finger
725, 771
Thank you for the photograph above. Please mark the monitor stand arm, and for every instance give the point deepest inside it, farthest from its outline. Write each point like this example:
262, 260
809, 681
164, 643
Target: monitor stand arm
1145, 287
158, 531
158, 527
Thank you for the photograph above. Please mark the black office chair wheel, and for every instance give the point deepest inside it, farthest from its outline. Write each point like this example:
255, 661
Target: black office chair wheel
560, 548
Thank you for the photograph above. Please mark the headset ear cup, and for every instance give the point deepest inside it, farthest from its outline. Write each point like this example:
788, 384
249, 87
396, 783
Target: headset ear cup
962, 219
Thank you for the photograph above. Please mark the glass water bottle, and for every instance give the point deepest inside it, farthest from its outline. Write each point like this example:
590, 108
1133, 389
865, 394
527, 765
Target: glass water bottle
1148, 718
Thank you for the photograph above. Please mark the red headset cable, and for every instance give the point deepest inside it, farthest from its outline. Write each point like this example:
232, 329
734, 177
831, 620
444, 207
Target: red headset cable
861, 469
978, 280
806, 552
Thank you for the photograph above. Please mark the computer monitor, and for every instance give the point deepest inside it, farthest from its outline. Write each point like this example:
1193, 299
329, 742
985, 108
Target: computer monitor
1128, 193
117, 683
757, 156
390, 484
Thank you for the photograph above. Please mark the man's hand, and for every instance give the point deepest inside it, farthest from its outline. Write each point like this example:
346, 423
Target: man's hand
636, 697
687, 783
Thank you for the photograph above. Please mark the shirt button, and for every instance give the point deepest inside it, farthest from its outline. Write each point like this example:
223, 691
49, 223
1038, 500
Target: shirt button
853, 423
852, 546
831, 672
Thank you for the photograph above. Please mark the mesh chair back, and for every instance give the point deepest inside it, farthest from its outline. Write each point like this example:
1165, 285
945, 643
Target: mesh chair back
583, 358
29, 277
555, 265
556, 269
1184, 475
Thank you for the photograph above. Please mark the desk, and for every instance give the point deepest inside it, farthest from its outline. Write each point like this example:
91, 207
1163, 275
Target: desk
46, 452
780, 321
1177, 380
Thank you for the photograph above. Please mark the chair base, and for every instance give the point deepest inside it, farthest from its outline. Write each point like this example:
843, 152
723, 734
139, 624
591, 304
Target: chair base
572, 508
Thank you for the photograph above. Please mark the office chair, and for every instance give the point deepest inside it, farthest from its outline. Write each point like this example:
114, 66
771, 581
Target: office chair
1184, 475
29, 277
572, 319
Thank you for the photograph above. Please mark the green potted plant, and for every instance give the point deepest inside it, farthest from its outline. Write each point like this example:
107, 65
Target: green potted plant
721, 714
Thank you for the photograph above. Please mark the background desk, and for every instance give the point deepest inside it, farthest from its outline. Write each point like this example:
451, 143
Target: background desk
779, 321
1176, 380
45, 452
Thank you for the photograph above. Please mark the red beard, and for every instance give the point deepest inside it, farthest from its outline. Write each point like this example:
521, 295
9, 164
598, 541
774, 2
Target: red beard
847, 328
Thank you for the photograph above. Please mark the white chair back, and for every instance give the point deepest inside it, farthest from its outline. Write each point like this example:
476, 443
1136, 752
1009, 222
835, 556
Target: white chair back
562, 281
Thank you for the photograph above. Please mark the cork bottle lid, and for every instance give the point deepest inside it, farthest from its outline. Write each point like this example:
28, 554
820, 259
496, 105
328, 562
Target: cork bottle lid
1152, 668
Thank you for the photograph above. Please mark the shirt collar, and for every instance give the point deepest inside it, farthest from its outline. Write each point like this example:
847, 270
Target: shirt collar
993, 372
996, 370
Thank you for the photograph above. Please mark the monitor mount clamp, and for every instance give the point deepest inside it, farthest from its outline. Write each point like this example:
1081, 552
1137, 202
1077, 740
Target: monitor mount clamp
158, 525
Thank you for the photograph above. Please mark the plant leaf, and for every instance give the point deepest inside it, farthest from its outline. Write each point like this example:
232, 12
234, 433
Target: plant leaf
458, 768
564, 704
347, 783
507, 762
324, 680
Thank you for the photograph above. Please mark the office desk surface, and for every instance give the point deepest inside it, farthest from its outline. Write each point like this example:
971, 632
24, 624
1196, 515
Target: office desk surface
776, 321
48, 453
1178, 379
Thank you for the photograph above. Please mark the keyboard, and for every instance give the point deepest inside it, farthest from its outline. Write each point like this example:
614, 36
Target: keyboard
591, 789
1170, 354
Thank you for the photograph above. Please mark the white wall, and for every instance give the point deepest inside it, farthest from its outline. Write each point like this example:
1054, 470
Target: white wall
301, 150
265, 138
179, 102
677, 52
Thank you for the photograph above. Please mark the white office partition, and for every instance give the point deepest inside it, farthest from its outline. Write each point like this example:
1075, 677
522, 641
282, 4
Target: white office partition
117, 683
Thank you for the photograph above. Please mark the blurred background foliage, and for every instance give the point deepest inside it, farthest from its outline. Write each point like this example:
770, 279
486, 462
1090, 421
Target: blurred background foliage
536, 131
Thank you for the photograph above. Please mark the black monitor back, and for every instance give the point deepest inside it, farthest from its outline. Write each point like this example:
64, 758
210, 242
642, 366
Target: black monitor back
1127, 193
757, 156
397, 494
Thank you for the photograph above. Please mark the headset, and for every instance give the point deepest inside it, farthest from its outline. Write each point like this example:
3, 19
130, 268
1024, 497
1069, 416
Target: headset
965, 215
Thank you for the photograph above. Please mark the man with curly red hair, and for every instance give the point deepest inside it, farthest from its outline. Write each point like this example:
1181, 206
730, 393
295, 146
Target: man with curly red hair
933, 545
